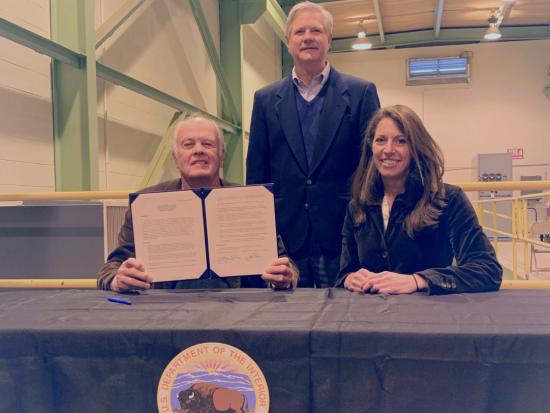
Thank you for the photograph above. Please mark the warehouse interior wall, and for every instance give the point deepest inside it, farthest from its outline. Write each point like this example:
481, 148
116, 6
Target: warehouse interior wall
502, 108
26, 126
261, 65
159, 45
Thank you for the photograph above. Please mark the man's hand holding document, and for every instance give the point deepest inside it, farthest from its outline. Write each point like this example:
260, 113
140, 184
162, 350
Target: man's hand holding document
198, 231
208, 233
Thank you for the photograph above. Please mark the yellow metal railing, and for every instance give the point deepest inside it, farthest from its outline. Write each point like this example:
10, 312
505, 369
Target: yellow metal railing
520, 227
504, 186
90, 195
525, 285
519, 232
63, 196
48, 283
90, 283
81, 283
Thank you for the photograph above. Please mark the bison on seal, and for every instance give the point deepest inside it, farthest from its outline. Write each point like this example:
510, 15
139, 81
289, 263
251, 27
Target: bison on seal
209, 398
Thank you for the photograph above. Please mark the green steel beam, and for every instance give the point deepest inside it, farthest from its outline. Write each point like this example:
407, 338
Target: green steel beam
287, 4
40, 44
74, 94
276, 18
438, 17
156, 166
116, 20
63, 54
446, 37
234, 13
230, 56
378, 13
233, 112
286, 61
72, 109
249, 11
143, 89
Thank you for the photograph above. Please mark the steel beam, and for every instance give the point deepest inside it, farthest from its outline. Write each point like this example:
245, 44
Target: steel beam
233, 112
74, 94
286, 61
230, 54
116, 20
232, 15
64, 54
378, 12
75, 128
249, 11
164, 149
40, 44
438, 16
446, 36
118, 78
276, 18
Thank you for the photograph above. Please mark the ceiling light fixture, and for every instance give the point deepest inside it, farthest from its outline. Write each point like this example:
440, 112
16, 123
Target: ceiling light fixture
361, 42
496, 18
493, 32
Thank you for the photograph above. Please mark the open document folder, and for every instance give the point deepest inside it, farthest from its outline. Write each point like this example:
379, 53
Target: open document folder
205, 233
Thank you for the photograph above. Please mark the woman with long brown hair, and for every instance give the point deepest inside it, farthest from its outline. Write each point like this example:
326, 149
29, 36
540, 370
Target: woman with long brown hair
405, 230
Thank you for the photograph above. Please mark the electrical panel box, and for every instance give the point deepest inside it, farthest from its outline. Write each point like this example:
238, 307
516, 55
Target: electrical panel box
495, 167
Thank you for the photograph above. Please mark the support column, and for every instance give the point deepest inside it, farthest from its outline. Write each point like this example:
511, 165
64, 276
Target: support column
230, 55
234, 13
74, 98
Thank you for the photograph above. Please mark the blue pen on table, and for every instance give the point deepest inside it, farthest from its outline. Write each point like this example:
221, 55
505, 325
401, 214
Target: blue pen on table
119, 300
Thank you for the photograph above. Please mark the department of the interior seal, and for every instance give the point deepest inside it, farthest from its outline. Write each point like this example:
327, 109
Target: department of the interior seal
212, 378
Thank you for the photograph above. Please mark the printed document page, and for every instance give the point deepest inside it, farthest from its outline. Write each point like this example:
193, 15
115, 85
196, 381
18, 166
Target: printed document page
169, 235
241, 230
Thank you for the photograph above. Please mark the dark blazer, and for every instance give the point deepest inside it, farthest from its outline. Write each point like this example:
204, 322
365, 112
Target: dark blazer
126, 249
314, 197
432, 251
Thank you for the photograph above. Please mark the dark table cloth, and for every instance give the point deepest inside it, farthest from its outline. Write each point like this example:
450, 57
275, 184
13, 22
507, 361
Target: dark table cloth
320, 350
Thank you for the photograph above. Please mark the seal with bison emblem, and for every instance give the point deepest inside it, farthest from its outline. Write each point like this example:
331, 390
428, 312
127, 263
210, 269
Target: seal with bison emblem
212, 378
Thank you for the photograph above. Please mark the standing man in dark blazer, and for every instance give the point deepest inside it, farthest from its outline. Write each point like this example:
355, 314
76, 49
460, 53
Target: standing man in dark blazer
305, 137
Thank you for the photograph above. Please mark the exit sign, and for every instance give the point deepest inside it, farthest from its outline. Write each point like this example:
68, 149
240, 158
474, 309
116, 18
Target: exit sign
517, 153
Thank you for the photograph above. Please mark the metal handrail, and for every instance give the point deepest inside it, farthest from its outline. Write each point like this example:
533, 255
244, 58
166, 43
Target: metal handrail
504, 186
520, 230
519, 225
88, 195
86, 283
510, 198
63, 196
91, 283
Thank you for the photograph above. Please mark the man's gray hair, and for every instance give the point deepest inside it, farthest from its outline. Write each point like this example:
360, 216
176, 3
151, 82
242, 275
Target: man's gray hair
198, 117
309, 6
